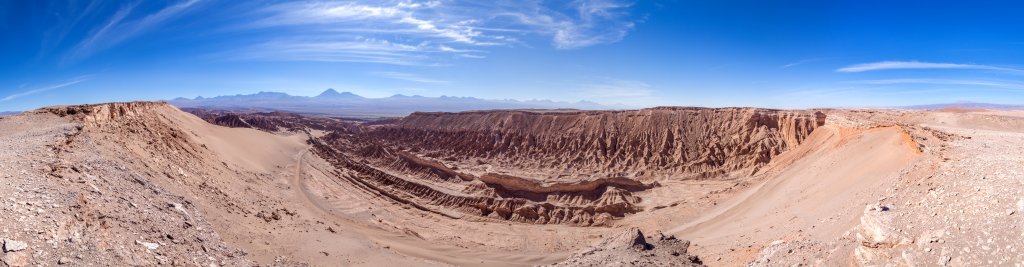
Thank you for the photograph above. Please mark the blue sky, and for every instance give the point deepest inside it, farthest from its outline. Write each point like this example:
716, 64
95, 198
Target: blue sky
783, 54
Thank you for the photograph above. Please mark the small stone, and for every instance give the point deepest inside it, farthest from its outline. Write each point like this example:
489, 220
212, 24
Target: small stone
63, 261
944, 260
150, 246
14, 245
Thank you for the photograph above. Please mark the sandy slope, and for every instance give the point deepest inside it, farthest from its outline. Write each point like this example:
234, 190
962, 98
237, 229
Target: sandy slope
333, 223
817, 197
305, 236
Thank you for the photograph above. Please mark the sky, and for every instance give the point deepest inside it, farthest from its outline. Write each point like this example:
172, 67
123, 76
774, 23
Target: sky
777, 54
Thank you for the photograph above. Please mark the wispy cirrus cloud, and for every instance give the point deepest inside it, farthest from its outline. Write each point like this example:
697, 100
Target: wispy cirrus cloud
904, 65
67, 83
117, 29
437, 29
598, 22
957, 82
407, 77
357, 49
803, 61
402, 18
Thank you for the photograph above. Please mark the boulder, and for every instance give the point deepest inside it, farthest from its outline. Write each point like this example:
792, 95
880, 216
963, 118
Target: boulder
880, 238
14, 245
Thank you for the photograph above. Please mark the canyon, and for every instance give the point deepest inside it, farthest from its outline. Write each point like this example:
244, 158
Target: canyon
147, 183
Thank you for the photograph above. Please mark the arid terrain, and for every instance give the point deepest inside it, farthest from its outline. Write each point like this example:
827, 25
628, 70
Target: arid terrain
146, 183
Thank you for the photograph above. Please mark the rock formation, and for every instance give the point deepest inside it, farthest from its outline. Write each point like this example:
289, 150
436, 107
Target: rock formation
677, 142
630, 248
880, 237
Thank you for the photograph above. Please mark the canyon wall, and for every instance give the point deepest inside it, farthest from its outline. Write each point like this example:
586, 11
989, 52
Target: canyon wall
686, 142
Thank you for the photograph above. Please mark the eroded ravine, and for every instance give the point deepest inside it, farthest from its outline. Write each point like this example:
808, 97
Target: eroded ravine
412, 246
584, 167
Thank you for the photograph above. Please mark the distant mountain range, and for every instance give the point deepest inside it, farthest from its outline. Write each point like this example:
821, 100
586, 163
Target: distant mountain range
968, 105
9, 112
346, 104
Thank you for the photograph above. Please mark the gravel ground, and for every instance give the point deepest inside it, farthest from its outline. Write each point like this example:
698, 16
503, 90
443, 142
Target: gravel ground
64, 204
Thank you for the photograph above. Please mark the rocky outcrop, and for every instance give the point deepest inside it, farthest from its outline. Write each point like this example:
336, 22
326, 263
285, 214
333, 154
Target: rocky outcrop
514, 183
99, 114
878, 235
876, 229
271, 121
143, 120
630, 248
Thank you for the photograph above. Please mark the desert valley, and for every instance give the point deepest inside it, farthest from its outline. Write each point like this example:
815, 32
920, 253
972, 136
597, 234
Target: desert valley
511, 133
146, 183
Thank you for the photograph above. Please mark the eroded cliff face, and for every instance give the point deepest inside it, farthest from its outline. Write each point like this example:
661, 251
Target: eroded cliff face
271, 121
134, 121
658, 142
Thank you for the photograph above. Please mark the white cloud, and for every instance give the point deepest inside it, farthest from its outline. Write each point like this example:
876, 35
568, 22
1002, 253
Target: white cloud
599, 22
365, 50
407, 77
458, 28
299, 13
586, 24
895, 65
401, 17
71, 82
985, 83
472, 56
157, 18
